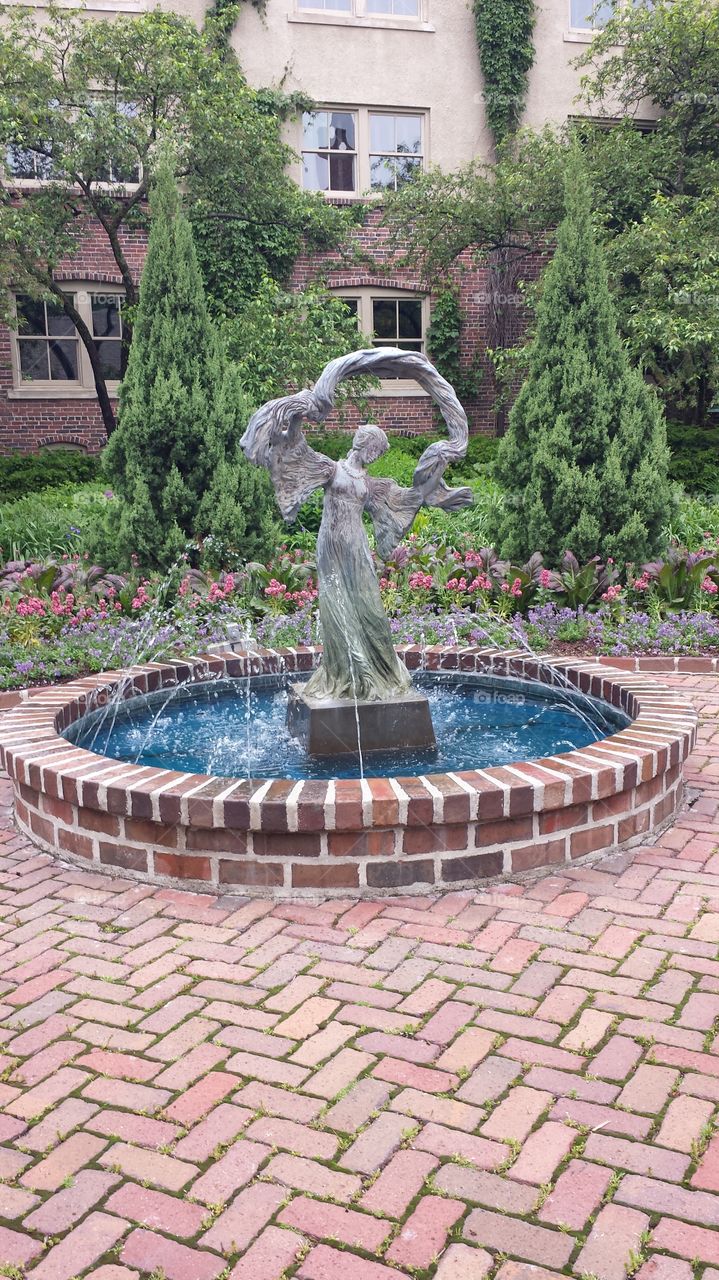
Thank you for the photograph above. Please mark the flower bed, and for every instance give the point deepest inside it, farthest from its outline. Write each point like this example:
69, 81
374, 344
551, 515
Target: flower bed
59, 620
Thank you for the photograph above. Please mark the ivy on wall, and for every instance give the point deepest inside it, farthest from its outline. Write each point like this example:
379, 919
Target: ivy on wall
444, 340
505, 30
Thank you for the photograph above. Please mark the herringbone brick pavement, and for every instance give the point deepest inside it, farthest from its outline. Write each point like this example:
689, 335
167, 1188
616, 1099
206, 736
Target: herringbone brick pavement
517, 1082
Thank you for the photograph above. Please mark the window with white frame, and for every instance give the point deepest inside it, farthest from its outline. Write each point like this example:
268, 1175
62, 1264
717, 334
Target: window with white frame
587, 15
395, 149
365, 8
388, 317
48, 356
329, 151
33, 162
348, 151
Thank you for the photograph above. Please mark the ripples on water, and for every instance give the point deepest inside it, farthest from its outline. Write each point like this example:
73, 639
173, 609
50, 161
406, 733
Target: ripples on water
477, 724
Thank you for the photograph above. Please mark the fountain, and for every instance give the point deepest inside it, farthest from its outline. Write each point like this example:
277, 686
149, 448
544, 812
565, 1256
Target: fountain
360, 767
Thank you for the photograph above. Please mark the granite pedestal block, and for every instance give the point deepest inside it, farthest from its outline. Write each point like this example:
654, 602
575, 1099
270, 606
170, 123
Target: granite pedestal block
341, 727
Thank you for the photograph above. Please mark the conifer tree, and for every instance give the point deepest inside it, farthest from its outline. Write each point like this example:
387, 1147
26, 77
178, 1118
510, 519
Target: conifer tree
584, 461
174, 460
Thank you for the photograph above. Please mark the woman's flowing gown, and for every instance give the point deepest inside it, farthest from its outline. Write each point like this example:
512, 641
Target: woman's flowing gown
359, 660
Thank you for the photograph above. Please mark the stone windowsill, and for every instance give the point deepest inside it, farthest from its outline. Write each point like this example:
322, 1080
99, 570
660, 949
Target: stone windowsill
322, 19
58, 393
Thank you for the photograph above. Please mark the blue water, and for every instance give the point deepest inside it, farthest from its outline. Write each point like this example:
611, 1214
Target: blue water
225, 729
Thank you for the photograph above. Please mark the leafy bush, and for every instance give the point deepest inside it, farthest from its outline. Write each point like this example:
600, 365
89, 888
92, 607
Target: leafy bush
54, 523
175, 459
691, 520
23, 473
585, 460
694, 457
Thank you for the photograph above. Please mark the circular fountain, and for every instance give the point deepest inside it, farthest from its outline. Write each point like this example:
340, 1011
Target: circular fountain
359, 767
339, 835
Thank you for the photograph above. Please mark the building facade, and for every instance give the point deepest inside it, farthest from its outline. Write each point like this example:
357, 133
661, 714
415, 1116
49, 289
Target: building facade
397, 86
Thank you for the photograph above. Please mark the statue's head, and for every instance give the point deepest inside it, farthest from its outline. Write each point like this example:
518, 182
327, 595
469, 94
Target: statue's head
369, 443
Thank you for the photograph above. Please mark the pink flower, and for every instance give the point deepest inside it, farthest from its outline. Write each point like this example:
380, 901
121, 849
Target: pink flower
643, 583
275, 588
480, 583
545, 579
457, 584
710, 587
421, 581
612, 593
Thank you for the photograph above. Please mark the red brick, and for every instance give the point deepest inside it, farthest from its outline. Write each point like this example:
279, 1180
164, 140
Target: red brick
176, 1261
399, 1183
155, 1209
424, 1233
249, 1212
323, 1263
576, 1196
326, 1221
512, 1235
270, 1256
615, 1236
94, 1236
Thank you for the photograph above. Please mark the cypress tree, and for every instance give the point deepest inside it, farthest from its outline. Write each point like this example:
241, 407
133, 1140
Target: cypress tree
174, 460
584, 462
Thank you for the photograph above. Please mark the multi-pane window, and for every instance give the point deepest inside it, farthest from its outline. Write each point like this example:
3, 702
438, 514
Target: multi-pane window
395, 149
107, 332
586, 15
365, 8
49, 358
47, 342
395, 8
329, 151
351, 151
397, 322
21, 162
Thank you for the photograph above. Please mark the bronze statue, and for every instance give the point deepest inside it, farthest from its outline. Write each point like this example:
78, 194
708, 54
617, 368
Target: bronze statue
359, 660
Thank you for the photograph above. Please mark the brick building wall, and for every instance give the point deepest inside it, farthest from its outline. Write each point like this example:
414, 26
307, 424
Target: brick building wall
31, 423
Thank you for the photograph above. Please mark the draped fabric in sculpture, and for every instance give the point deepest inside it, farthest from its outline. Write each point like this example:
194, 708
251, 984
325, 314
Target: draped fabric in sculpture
359, 659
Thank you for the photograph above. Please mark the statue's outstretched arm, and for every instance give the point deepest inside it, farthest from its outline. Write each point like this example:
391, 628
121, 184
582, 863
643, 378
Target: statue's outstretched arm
274, 439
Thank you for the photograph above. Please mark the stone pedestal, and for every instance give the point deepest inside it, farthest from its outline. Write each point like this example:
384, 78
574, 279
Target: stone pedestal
330, 728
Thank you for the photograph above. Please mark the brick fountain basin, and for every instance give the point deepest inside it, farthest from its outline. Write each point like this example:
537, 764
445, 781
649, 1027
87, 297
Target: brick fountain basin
279, 836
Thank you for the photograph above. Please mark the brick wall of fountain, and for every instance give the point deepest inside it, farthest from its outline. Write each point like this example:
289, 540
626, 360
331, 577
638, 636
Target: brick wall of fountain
280, 836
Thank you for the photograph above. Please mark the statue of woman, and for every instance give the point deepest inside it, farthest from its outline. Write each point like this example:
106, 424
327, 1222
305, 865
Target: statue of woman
359, 660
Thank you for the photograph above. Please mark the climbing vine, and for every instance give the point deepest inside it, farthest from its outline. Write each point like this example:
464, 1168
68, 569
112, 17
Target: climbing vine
506, 52
445, 339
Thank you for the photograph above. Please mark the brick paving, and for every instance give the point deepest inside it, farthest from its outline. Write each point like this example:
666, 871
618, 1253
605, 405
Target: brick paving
518, 1082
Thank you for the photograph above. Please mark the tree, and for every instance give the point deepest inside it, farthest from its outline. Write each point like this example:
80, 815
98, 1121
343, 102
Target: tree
662, 242
585, 459
86, 104
174, 460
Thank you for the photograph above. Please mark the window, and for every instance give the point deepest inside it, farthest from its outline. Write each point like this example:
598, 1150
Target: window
47, 342
585, 15
367, 9
329, 155
396, 8
107, 332
351, 151
395, 149
22, 162
48, 357
397, 322
390, 318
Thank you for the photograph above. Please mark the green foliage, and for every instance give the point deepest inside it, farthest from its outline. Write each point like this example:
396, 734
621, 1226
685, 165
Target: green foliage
585, 460
50, 523
694, 457
445, 338
174, 461
23, 473
281, 339
691, 520
506, 52
65, 86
